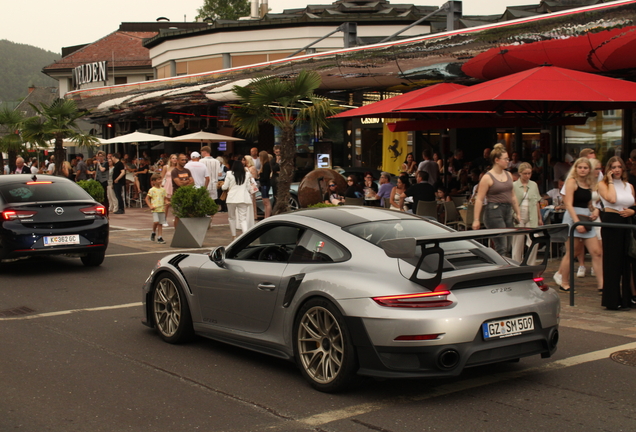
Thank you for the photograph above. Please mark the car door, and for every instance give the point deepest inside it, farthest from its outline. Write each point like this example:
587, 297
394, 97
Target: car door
243, 294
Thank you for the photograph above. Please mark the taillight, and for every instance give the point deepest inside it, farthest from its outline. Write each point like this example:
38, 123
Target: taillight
99, 210
39, 182
17, 214
541, 284
419, 300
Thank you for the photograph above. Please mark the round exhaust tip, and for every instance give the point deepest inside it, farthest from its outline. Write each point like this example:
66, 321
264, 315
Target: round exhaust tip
448, 359
554, 338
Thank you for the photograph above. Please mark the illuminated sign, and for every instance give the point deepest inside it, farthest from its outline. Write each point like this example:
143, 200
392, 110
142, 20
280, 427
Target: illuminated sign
369, 120
90, 72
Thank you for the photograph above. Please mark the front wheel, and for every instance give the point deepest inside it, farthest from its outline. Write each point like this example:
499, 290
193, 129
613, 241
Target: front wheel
324, 351
170, 310
93, 259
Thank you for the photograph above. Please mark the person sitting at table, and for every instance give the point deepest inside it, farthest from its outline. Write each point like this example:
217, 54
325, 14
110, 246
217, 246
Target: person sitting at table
420, 191
409, 166
332, 196
354, 189
384, 192
441, 195
397, 193
370, 190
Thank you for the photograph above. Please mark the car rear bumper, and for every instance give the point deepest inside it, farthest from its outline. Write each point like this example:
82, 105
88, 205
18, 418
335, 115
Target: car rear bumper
446, 360
23, 242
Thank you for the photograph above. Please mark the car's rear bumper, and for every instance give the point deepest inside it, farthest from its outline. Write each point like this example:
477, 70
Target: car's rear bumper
21, 243
446, 360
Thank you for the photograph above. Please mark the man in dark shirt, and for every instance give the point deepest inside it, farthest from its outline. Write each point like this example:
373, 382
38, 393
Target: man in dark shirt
119, 181
82, 168
181, 176
421, 191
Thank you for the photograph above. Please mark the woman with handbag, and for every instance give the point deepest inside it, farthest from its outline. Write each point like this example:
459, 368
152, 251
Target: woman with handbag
618, 200
528, 197
579, 185
239, 197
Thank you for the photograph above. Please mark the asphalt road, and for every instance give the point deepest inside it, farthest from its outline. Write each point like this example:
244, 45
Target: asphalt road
80, 360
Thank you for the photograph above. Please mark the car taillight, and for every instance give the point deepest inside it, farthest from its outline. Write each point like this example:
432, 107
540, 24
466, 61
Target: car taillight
419, 300
418, 337
17, 214
39, 182
541, 284
94, 210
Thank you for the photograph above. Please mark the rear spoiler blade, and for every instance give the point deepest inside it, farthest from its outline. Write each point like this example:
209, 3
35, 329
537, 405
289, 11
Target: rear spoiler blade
407, 247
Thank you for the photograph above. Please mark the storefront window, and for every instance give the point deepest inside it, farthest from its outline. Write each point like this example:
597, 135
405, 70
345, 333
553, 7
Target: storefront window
603, 133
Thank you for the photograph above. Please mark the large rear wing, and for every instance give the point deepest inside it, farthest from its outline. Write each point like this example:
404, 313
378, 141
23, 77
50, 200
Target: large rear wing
429, 245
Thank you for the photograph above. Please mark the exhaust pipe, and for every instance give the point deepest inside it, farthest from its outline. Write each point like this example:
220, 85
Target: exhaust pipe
448, 359
553, 339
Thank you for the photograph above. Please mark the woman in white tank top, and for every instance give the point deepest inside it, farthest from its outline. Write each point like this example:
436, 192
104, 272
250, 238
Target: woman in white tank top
617, 196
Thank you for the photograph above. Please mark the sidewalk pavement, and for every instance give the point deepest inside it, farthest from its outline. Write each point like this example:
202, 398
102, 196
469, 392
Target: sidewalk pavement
133, 229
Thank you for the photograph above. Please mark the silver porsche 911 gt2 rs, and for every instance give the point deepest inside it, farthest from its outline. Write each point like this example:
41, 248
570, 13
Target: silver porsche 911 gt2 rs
349, 291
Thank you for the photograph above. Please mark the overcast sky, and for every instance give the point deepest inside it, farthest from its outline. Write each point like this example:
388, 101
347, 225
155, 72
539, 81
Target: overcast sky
53, 24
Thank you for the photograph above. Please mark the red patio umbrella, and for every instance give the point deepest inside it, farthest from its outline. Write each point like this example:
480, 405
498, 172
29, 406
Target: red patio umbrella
545, 93
386, 108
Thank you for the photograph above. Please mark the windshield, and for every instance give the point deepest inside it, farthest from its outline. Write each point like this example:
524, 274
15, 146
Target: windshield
23, 192
377, 231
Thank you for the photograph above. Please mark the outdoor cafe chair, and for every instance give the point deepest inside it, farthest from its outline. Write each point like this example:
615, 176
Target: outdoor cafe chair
451, 215
427, 208
354, 201
458, 200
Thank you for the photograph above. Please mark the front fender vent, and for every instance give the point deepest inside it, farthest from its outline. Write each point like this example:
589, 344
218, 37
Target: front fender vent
175, 261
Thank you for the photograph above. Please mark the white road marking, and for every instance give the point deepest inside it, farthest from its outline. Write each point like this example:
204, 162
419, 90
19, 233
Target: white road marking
68, 312
345, 413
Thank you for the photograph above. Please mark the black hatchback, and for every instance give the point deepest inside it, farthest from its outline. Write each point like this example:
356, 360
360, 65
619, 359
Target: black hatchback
49, 215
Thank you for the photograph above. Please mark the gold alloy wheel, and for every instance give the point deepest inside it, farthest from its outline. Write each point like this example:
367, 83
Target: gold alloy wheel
320, 345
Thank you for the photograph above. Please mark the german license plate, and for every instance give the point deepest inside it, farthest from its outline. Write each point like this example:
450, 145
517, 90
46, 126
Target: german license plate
509, 327
61, 240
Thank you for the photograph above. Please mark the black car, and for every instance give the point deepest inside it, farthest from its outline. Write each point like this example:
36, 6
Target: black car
49, 215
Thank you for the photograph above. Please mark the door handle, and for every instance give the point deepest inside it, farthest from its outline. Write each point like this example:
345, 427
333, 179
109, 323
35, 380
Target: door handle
265, 286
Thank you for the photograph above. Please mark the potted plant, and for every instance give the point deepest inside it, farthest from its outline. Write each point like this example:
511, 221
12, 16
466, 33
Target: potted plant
194, 207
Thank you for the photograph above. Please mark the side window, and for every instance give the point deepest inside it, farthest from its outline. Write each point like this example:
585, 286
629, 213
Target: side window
315, 247
272, 243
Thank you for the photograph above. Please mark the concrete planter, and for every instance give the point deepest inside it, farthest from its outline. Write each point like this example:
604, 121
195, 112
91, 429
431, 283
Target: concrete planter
190, 232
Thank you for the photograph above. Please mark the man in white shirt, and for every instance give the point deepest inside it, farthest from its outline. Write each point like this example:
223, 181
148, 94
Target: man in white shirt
214, 169
51, 166
199, 171
254, 155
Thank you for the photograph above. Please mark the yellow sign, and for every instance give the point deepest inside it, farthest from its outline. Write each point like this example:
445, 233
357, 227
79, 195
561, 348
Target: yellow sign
394, 148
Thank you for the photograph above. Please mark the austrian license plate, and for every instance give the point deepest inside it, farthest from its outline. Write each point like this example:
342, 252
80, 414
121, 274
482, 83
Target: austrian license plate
61, 240
507, 327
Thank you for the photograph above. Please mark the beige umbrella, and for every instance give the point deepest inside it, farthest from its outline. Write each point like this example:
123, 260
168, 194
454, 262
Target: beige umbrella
202, 136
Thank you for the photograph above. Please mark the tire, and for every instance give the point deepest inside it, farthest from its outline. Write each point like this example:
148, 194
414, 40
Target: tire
324, 352
170, 310
93, 259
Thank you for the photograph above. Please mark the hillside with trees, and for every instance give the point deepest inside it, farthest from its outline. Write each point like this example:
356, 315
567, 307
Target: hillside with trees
21, 67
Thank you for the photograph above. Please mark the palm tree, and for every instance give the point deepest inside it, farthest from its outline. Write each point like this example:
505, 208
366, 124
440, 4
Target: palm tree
58, 121
283, 103
11, 122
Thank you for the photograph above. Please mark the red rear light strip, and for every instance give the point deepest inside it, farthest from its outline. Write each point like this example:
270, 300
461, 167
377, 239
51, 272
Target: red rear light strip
418, 300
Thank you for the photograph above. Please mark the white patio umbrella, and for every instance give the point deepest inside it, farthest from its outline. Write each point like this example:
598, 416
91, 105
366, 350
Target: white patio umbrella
202, 136
135, 138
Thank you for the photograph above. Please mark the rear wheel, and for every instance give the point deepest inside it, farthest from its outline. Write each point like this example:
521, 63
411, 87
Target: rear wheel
324, 351
93, 259
170, 310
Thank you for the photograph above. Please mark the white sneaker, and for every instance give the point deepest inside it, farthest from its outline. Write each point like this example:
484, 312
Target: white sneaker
581, 271
592, 272
558, 278
165, 224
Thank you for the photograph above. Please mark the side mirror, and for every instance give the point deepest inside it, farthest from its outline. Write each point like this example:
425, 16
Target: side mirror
217, 256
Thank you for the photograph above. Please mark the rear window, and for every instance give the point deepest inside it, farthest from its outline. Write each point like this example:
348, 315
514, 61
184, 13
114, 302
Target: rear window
13, 193
377, 231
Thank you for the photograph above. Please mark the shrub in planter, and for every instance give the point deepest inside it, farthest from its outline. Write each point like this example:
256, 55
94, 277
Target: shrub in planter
192, 202
94, 189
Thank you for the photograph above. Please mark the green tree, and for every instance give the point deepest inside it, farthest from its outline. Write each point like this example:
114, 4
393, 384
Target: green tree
58, 121
224, 9
283, 103
11, 122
